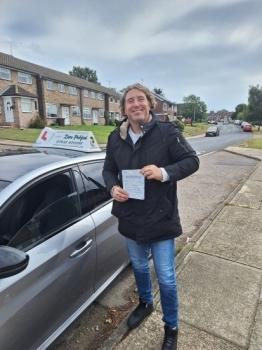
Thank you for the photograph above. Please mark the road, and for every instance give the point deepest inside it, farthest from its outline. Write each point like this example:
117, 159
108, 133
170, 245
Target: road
230, 134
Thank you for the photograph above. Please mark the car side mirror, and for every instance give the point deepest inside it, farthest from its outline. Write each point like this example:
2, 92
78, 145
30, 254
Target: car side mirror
12, 261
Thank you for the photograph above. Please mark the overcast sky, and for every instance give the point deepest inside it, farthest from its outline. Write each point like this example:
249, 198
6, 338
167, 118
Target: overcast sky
212, 49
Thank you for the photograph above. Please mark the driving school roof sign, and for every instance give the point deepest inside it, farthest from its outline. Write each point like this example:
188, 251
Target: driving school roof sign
68, 139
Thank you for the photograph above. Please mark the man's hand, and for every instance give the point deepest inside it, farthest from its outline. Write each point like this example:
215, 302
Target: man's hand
119, 194
152, 172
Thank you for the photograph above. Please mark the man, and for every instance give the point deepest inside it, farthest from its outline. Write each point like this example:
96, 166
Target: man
163, 157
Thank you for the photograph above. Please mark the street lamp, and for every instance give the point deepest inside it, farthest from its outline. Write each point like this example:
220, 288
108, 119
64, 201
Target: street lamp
194, 118
109, 81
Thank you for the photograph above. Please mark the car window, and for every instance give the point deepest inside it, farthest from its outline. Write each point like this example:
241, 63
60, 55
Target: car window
93, 180
87, 200
39, 212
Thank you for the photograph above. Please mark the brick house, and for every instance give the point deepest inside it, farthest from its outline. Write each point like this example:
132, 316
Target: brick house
220, 115
165, 109
28, 90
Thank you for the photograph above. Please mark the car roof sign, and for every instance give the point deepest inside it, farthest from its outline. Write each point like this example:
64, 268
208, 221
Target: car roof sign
67, 139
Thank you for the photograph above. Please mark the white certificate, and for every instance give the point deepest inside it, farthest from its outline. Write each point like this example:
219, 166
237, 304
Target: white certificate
134, 183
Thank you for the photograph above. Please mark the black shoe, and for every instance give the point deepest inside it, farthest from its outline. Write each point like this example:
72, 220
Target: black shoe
139, 314
170, 340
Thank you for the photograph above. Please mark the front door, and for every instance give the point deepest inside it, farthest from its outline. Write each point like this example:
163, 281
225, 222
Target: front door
95, 116
65, 115
9, 117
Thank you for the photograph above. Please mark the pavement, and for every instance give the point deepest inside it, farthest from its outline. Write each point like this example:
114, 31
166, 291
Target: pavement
219, 276
12, 143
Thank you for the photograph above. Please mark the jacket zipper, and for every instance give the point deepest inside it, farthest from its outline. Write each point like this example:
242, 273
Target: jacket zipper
178, 140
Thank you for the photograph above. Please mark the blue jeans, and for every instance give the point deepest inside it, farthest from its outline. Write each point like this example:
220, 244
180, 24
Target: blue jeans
164, 261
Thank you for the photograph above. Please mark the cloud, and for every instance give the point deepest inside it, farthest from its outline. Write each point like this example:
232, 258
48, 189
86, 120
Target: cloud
211, 49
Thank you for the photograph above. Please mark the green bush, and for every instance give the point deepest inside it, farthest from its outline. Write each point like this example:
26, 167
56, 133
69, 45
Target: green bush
112, 122
37, 123
107, 117
117, 122
179, 124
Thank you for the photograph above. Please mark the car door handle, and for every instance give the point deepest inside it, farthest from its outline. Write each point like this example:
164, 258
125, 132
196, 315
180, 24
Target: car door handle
85, 246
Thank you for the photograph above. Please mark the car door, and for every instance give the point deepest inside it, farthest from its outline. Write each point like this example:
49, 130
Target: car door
39, 303
112, 255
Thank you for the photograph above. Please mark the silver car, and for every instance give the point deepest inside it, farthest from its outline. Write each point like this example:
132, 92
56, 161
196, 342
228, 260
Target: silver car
60, 246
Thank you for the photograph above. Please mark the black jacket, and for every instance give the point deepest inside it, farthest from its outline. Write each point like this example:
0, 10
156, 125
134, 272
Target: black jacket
156, 218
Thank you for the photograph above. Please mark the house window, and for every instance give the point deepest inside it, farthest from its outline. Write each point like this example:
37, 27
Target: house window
5, 74
117, 116
61, 87
112, 115
100, 96
85, 93
165, 106
75, 110
72, 90
51, 110
49, 85
26, 104
36, 105
24, 78
86, 113
116, 100
111, 100
101, 113
93, 94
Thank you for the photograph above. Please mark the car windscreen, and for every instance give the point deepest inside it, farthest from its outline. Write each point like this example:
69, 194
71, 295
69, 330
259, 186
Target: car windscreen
4, 184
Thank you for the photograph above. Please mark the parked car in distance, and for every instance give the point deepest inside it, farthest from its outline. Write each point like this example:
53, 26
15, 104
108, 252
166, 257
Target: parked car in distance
247, 127
243, 124
59, 243
225, 121
212, 131
238, 122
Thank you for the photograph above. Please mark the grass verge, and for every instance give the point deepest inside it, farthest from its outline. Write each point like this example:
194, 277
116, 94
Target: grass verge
101, 132
30, 135
252, 143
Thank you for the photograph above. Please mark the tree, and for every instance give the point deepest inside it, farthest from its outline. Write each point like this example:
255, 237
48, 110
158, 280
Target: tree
122, 91
159, 91
193, 108
255, 104
85, 73
240, 112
